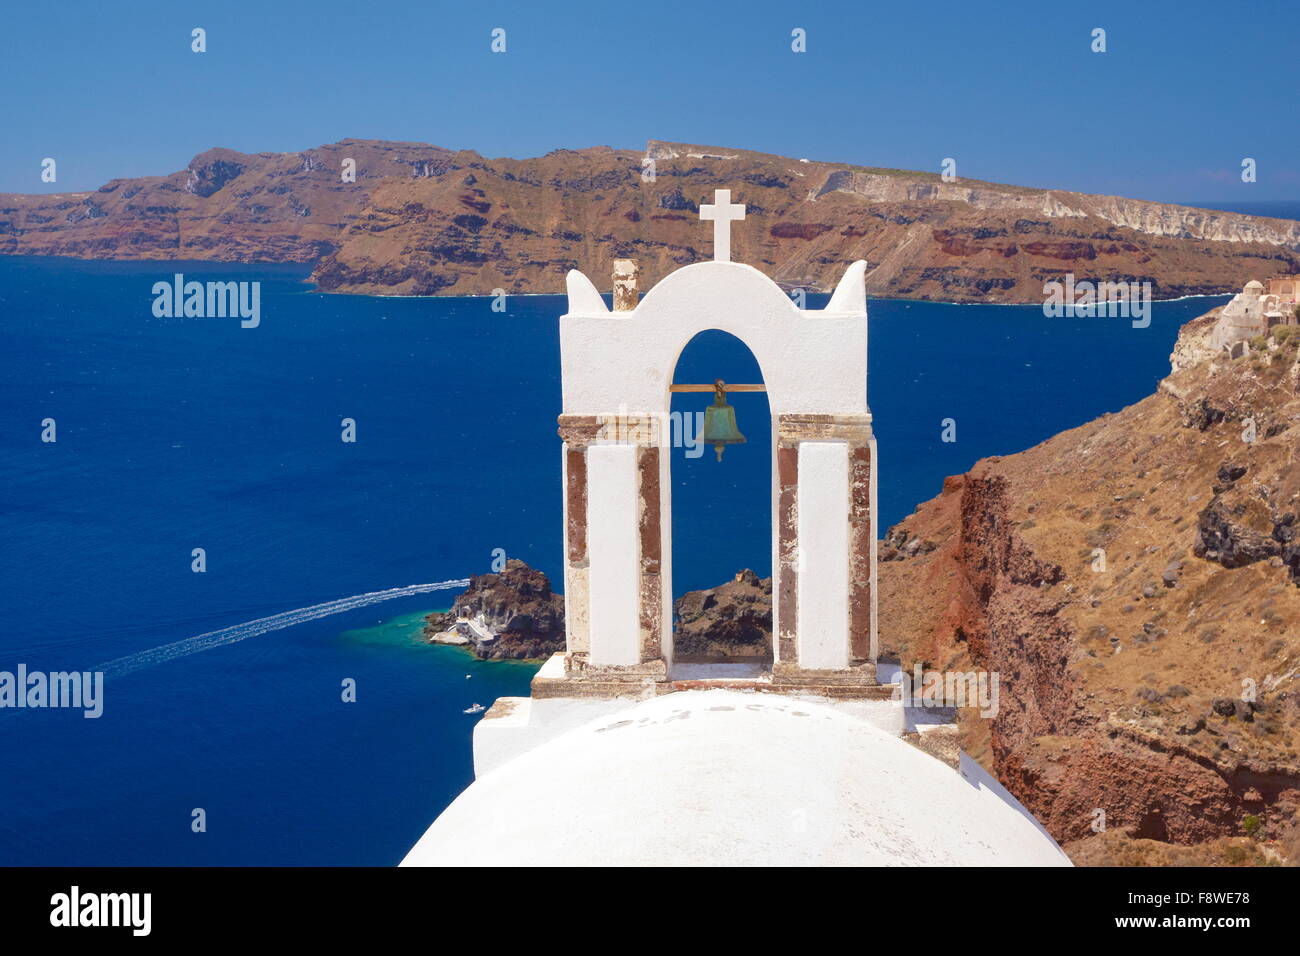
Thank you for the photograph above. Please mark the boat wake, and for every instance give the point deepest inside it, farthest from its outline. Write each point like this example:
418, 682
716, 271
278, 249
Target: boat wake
239, 632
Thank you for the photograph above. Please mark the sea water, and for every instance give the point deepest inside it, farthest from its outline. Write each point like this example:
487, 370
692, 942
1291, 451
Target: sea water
176, 434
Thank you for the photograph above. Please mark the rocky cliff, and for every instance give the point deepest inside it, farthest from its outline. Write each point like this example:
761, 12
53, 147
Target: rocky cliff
422, 220
1134, 582
513, 614
730, 622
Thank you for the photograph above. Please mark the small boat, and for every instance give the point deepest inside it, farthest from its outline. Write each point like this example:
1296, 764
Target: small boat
476, 709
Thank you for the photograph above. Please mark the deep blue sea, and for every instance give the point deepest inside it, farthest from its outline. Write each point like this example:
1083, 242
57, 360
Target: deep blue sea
176, 434
1276, 208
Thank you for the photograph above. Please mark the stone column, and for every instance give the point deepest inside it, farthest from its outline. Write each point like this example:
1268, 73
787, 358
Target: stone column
859, 513
578, 432
786, 586
862, 548
652, 594
642, 432
625, 285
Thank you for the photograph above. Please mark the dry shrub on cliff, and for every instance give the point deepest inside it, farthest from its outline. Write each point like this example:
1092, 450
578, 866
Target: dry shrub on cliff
1122, 684
1118, 848
1290, 844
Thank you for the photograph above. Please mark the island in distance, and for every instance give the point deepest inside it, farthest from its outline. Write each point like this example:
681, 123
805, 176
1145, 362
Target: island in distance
393, 218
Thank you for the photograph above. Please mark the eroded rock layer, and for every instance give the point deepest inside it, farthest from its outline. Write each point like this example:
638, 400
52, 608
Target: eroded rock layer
732, 621
1133, 583
513, 614
423, 220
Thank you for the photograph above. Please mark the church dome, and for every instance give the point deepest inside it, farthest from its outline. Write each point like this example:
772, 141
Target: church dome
1254, 287
722, 777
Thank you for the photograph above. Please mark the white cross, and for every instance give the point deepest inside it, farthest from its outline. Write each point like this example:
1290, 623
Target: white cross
722, 212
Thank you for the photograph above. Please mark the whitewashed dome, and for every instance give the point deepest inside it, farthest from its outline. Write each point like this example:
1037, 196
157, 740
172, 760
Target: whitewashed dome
720, 777
1254, 287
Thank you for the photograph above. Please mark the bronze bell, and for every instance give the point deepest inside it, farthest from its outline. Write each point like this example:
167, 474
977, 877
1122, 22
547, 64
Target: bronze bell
720, 421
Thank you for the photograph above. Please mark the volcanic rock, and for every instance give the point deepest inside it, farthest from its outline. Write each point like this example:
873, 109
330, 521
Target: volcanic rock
424, 220
1079, 726
732, 621
513, 614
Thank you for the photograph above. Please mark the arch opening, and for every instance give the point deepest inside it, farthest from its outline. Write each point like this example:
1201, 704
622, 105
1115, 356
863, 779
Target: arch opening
720, 518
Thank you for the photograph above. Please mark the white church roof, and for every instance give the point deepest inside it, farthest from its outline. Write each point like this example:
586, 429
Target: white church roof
721, 777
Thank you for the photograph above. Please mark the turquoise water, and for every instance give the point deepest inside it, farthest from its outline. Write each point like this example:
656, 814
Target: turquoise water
182, 433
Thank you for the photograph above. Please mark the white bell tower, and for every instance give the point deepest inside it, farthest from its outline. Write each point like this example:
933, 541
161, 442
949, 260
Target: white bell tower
617, 371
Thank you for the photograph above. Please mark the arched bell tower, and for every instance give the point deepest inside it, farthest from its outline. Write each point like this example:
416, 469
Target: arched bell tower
616, 371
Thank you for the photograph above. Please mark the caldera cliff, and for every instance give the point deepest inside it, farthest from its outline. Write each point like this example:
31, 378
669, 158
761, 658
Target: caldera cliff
423, 220
1134, 583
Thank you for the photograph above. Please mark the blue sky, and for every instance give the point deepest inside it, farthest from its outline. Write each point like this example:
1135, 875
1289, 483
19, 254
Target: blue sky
1011, 91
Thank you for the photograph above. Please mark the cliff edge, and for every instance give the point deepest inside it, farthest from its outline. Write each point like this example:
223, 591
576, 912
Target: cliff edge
1134, 583
398, 218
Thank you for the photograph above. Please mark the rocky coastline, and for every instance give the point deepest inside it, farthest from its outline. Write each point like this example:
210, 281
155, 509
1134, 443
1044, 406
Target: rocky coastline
1133, 581
510, 615
515, 615
418, 219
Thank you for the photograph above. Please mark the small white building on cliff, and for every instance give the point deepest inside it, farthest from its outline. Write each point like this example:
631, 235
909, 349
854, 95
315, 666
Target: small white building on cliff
1286, 288
623, 754
1252, 312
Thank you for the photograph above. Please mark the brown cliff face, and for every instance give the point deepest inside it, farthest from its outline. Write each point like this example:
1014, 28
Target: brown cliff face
230, 206
515, 610
730, 622
1126, 687
423, 220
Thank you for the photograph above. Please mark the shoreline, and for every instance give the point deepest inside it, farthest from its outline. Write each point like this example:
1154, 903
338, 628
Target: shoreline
314, 288
415, 637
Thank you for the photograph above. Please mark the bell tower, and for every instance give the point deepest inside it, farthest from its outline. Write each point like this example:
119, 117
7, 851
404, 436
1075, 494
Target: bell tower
616, 371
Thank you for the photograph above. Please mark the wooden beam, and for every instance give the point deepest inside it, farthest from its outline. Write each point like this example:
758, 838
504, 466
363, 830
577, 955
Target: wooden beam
709, 388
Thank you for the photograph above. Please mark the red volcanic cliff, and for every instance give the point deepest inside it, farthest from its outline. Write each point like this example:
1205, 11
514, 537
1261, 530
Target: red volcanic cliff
421, 220
1161, 684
